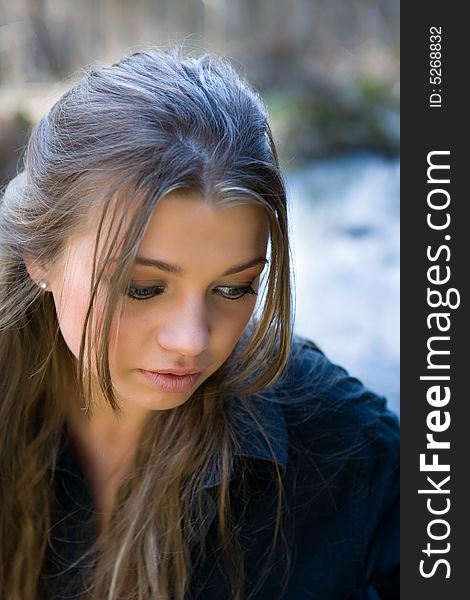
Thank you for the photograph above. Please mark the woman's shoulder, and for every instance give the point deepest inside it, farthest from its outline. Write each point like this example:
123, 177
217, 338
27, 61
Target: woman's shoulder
317, 415
344, 453
337, 430
317, 393
322, 426
338, 444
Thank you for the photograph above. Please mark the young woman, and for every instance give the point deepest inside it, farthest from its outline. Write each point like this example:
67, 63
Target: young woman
159, 437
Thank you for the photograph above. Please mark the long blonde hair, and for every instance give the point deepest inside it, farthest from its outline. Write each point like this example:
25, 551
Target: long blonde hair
151, 124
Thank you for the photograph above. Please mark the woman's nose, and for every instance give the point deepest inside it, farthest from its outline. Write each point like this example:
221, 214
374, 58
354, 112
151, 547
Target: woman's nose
186, 329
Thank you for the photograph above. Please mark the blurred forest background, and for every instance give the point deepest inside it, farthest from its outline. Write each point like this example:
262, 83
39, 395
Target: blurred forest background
329, 72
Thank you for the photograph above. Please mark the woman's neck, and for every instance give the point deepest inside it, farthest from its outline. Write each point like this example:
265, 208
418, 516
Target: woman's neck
105, 446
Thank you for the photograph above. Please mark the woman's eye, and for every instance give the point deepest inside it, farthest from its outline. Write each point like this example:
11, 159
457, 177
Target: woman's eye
143, 293
228, 292
235, 293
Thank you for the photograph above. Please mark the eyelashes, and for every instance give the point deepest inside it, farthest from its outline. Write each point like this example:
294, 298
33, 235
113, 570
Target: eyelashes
227, 292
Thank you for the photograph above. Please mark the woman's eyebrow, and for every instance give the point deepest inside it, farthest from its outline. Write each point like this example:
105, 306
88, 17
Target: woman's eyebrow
177, 270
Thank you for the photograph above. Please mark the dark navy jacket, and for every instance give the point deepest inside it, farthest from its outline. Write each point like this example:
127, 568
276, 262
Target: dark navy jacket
337, 446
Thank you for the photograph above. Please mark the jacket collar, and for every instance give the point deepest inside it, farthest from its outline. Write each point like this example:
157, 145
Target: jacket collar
259, 429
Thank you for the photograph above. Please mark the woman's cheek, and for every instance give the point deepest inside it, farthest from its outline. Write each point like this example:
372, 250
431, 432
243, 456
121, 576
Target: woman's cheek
233, 323
71, 314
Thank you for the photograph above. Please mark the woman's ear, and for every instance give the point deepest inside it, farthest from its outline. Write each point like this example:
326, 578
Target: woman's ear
37, 270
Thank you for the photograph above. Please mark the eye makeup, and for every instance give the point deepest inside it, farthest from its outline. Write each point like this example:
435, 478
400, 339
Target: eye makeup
142, 293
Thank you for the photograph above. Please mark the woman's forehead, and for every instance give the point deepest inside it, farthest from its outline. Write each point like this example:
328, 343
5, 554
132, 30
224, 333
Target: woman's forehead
187, 226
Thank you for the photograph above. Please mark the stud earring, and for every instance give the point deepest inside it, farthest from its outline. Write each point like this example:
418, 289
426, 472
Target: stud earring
42, 285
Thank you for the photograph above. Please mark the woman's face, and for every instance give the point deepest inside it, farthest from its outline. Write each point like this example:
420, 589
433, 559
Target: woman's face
190, 297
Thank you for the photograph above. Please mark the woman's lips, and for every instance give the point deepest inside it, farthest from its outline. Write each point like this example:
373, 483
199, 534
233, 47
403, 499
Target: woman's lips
168, 382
